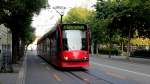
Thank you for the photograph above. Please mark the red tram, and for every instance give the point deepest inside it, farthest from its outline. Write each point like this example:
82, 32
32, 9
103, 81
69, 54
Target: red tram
66, 45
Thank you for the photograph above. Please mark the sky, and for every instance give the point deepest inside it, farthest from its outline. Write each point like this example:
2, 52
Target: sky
48, 17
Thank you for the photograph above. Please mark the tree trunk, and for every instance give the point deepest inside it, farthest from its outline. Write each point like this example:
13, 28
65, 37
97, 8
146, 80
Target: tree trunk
21, 50
92, 48
128, 46
95, 47
121, 48
110, 43
110, 47
15, 47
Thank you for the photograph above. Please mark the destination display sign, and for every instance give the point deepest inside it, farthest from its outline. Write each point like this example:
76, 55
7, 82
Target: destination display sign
69, 27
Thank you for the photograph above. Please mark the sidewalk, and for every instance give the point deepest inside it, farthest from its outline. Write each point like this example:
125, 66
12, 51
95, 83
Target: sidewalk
123, 59
11, 78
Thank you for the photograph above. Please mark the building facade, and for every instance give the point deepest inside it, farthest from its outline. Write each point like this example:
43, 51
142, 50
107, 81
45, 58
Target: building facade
5, 44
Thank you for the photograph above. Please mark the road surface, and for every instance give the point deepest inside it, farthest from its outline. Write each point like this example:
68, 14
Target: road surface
101, 71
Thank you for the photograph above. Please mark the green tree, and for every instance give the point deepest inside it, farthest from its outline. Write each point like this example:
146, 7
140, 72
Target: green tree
106, 11
98, 31
17, 15
125, 16
132, 19
77, 14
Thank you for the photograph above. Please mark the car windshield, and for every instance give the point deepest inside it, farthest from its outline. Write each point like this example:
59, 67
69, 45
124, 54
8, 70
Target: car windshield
74, 39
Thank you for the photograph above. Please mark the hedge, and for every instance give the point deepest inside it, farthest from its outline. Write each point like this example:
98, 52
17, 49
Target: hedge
109, 51
141, 53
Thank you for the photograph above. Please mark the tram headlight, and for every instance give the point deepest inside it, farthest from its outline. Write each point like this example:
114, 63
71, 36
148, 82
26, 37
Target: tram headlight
85, 58
65, 58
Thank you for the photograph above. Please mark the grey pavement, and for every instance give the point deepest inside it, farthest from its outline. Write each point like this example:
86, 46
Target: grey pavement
10, 78
136, 70
134, 64
123, 59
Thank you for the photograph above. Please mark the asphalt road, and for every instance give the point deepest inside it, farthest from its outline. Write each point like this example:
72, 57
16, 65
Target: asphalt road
101, 71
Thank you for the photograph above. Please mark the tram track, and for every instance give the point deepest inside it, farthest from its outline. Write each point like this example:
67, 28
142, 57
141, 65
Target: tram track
80, 78
78, 74
82, 71
97, 77
87, 79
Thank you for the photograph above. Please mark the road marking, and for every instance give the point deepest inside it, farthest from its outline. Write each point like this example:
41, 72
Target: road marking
134, 72
57, 77
47, 68
115, 75
86, 79
42, 63
22, 72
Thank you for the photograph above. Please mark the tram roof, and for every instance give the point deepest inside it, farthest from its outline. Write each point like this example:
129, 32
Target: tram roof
45, 35
74, 24
54, 28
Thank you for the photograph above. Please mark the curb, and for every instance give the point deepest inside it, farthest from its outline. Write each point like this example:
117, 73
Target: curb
22, 72
123, 58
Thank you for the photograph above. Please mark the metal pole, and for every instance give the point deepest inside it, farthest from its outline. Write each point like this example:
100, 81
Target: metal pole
61, 17
61, 13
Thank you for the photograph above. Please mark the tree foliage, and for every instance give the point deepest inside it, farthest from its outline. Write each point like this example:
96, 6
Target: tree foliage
17, 16
125, 17
140, 41
77, 14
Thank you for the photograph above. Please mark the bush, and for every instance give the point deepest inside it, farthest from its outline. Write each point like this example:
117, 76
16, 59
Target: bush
141, 53
109, 51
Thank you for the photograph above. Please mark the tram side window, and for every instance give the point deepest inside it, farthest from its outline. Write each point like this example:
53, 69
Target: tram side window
54, 42
43, 48
54, 48
48, 46
53, 45
58, 42
40, 48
